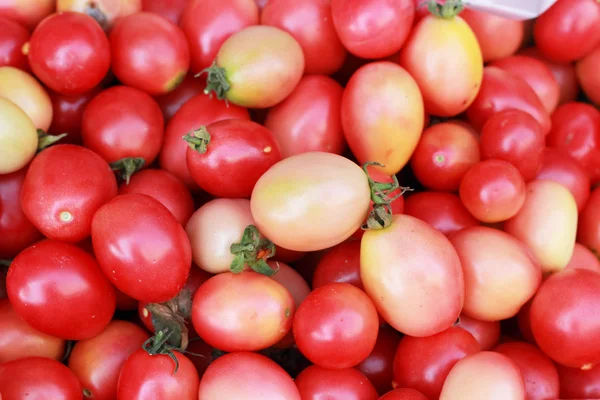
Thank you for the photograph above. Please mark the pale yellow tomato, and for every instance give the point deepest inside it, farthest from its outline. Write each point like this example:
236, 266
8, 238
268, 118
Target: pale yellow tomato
106, 12
18, 137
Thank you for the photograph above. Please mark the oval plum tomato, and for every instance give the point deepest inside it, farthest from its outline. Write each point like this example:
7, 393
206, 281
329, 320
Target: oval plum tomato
382, 115
141, 247
106, 12
539, 373
424, 363
144, 375
444, 211
37, 283
561, 40
587, 76
347, 315
256, 67
574, 296
341, 263
198, 111
314, 106
583, 258
428, 281
14, 36
487, 333
378, 366
63, 188
316, 383
444, 154
26, 13
164, 187
502, 90
98, 361
588, 232
403, 394
576, 383
88, 49
208, 23
20, 340
18, 137
227, 157
171, 102
168, 9
492, 190
68, 112
149, 53
246, 376
38, 378
311, 201
547, 224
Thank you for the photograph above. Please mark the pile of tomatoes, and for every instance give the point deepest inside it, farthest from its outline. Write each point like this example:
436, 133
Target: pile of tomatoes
298, 200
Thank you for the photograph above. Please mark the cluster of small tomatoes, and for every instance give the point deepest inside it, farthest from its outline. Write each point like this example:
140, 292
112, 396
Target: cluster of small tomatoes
201, 199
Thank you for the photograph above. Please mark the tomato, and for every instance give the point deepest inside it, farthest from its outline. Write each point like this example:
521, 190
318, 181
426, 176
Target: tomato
444, 154
38, 378
67, 113
26, 13
171, 102
583, 258
124, 302
98, 361
524, 322
561, 40
444, 211
587, 77
539, 373
14, 36
572, 295
341, 263
149, 53
256, 67
576, 383
77, 35
106, 12
588, 232
63, 188
547, 224
144, 375
484, 375
168, 9
493, 190
424, 363
403, 394
502, 90
334, 384
38, 288
378, 366
246, 376
25, 91
314, 106
18, 137
199, 110
141, 247
382, 115
487, 333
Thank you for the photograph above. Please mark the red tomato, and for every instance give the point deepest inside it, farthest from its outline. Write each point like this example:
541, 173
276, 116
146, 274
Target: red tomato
378, 366
559, 38
572, 295
171, 102
77, 35
444, 154
168, 9
316, 383
38, 378
124, 302
149, 53
404, 393
14, 36
97, 361
576, 383
141, 247
67, 113
583, 258
341, 263
487, 333
587, 76
27, 13
58, 289
63, 188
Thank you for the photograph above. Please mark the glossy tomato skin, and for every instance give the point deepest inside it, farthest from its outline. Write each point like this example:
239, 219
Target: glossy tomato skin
149, 53
64, 186
576, 383
588, 231
403, 394
587, 77
14, 36
316, 382
67, 113
172, 101
378, 366
168, 9
341, 263
34, 282
78, 35
487, 333
583, 258
18, 138
141, 247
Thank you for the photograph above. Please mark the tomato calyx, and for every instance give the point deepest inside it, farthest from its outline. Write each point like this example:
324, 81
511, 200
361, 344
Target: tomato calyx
448, 10
198, 139
170, 317
46, 140
128, 166
216, 81
253, 251
158, 345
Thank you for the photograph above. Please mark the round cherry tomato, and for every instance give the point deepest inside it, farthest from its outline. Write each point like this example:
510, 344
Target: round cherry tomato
316, 383
587, 76
63, 188
576, 383
149, 53
106, 12
583, 258
171, 102
588, 232
378, 366
27, 13
487, 333
67, 113
341, 263
403, 393
14, 36
168, 9
18, 137
141, 247
58, 289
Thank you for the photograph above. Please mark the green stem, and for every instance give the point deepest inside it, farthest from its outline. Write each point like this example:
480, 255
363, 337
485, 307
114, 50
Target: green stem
254, 251
171, 316
448, 10
216, 81
45, 140
198, 139
126, 167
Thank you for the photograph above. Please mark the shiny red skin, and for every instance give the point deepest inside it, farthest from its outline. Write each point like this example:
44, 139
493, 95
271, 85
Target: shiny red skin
238, 154
38, 378
341, 263
143, 373
583, 258
124, 302
309, 119
373, 28
571, 295
588, 230
171, 102
149, 53
164, 187
66, 178
67, 113
58, 289
539, 373
403, 394
444, 211
208, 23
141, 247
487, 333
378, 367
199, 110
168, 9
588, 78
69, 53
569, 30
14, 36
17, 231
315, 383
310, 23
501, 90
576, 131
578, 384
424, 363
